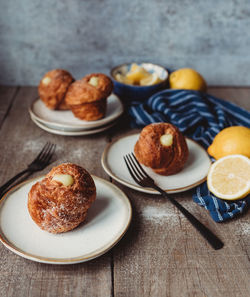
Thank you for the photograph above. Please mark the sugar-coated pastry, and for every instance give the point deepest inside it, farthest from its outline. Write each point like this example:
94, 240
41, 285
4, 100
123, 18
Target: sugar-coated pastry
162, 147
87, 97
59, 202
53, 88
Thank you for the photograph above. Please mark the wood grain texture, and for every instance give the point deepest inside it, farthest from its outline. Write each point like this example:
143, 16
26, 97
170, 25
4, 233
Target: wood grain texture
160, 255
7, 95
239, 96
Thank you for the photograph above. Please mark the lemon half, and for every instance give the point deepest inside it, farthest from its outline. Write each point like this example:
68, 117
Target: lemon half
229, 177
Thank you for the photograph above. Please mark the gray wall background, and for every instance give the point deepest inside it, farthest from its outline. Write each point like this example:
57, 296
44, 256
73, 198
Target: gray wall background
94, 35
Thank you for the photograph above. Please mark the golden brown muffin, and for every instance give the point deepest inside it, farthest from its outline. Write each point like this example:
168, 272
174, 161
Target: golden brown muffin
87, 97
162, 147
59, 203
101, 82
53, 88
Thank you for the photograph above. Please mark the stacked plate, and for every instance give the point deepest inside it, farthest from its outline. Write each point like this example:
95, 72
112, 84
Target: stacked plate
65, 123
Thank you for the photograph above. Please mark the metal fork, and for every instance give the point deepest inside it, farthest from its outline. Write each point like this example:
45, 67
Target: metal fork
39, 163
143, 179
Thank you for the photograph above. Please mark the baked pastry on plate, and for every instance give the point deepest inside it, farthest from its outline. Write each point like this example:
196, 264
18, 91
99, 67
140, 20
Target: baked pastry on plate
87, 97
59, 202
162, 147
53, 88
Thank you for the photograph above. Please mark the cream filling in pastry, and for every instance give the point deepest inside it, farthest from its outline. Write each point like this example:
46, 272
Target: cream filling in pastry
94, 81
46, 80
65, 179
166, 139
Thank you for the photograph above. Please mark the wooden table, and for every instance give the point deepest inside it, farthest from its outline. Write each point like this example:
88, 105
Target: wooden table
160, 255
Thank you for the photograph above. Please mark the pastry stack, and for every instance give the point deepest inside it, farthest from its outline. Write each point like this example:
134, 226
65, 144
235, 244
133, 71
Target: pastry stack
75, 107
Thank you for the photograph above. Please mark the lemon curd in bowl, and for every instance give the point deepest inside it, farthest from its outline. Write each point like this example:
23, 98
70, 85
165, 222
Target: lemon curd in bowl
137, 82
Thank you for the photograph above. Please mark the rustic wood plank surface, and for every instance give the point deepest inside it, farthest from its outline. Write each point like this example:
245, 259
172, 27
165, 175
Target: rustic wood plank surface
160, 255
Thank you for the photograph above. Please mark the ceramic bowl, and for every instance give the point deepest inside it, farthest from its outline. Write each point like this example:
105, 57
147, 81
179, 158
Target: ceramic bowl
130, 93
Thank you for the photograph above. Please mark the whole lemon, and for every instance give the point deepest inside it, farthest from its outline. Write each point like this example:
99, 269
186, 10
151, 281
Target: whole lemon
230, 141
187, 78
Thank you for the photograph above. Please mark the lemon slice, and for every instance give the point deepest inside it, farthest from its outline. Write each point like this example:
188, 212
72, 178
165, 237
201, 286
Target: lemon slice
229, 177
137, 74
123, 79
150, 80
134, 67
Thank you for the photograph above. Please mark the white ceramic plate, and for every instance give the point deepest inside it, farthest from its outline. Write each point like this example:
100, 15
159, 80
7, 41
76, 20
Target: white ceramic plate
193, 174
58, 119
106, 222
72, 133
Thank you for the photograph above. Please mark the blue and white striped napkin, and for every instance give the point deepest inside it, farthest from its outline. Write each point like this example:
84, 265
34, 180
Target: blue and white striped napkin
199, 116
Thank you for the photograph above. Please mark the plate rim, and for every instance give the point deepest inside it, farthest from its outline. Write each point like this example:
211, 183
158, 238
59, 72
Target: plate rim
73, 260
73, 133
88, 126
139, 188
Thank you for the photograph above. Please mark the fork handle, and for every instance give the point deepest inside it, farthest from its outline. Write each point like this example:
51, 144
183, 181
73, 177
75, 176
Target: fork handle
214, 241
13, 179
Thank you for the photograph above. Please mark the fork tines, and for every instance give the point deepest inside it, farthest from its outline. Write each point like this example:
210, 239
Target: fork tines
42, 151
135, 168
46, 153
